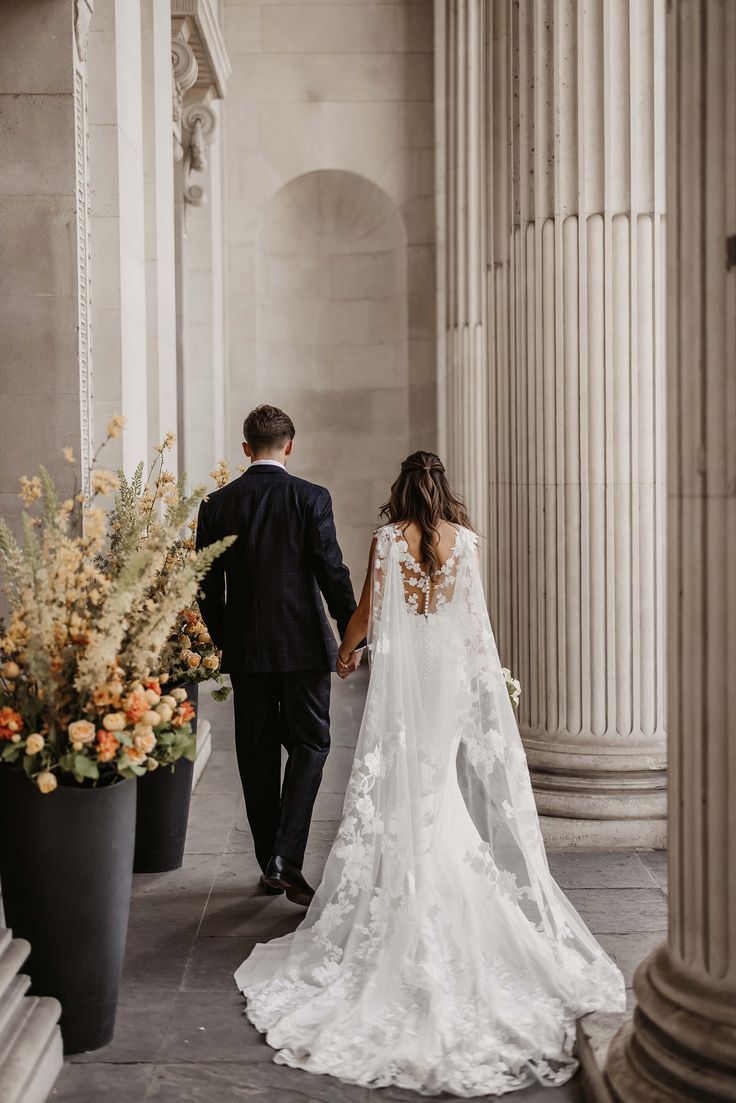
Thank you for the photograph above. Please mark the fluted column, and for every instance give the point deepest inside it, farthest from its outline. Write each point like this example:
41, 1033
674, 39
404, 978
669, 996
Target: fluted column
467, 373
575, 215
682, 1044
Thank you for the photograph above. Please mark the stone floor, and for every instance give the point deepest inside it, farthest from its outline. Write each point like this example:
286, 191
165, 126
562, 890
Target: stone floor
181, 1034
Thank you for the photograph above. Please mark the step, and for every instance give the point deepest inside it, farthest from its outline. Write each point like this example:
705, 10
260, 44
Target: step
28, 1071
10, 1000
204, 749
13, 952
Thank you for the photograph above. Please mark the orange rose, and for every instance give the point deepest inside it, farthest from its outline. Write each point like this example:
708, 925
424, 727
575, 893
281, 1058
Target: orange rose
135, 705
11, 724
107, 745
183, 714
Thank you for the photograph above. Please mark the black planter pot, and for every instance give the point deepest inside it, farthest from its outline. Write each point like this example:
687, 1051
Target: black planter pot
163, 811
66, 863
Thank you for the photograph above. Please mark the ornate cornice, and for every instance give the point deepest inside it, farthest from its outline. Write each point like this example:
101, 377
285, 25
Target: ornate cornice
195, 22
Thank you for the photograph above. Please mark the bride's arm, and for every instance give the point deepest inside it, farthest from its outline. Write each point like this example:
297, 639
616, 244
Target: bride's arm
358, 624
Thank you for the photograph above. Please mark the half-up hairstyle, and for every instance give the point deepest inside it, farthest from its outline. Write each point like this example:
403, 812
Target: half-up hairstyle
422, 494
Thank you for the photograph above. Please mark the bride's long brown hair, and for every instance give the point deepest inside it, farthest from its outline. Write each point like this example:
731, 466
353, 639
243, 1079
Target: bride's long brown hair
422, 494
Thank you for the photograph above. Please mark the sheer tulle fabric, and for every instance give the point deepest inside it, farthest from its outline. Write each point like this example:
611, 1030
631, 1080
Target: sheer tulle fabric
438, 953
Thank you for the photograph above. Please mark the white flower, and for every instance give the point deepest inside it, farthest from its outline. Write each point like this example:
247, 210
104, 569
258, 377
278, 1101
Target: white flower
114, 721
46, 782
34, 743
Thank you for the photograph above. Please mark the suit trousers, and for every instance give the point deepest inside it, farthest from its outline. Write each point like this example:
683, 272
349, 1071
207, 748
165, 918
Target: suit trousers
291, 710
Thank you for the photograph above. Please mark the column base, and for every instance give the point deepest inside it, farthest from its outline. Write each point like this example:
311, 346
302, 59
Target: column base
562, 833
598, 795
681, 1045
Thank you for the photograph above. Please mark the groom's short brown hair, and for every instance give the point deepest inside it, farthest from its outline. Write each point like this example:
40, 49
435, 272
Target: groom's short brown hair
267, 427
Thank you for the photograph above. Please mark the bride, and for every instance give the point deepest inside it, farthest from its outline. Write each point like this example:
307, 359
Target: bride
438, 953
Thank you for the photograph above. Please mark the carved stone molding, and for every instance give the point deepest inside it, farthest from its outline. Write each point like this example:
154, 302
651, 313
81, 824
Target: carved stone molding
81, 143
184, 72
198, 123
83, 10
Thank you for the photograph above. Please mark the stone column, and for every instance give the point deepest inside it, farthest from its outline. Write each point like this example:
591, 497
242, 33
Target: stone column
200, 70
682, 1043
574, 327
466, 316
117, 227
45, 382
158, 179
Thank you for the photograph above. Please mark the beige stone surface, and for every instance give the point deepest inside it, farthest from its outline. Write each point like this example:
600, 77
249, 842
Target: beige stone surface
329, 141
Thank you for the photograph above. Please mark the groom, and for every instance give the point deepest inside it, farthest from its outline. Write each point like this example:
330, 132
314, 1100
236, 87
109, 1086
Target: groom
261, 603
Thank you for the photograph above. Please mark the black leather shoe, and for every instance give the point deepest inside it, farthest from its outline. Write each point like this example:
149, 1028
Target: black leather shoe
268, 889
283, 874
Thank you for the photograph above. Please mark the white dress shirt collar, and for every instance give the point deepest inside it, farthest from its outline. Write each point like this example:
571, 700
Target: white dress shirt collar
274, 463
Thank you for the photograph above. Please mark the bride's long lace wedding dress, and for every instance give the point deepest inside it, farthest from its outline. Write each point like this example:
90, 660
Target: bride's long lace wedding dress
438, 953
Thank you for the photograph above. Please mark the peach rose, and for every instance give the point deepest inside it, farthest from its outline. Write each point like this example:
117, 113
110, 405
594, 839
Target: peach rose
193, 660
46, 782
179, 694
135, 756
151, 718
11, 669
81, 732
145, 741
211, 662
34, 743
165, 712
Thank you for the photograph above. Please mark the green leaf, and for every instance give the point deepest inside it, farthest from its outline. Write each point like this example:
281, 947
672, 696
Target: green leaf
85, 768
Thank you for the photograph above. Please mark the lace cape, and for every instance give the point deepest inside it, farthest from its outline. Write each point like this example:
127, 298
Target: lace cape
438, 953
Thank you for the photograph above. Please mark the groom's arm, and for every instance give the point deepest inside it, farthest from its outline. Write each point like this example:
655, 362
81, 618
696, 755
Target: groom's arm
212, 587
333, 577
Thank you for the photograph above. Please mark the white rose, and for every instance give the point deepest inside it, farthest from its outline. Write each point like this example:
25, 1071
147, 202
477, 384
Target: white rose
165, 713
46, 782
114, 721
179, 694
152, 697
35, 743
151, 718
168, 700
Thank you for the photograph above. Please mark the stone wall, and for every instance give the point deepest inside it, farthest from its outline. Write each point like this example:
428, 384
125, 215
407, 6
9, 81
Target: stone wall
330, 106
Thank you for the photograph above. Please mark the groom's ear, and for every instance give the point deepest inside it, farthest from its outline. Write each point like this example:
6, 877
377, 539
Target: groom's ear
246, 448
289, 447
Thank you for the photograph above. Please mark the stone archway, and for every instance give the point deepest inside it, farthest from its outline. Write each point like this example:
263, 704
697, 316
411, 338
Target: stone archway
332, 339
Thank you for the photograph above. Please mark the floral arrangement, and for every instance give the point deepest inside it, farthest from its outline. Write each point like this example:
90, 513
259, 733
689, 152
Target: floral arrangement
513, 685
189, 655
92, 601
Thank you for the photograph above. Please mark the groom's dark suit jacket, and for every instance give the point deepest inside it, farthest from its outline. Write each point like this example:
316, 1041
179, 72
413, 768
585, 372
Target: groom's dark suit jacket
261, 599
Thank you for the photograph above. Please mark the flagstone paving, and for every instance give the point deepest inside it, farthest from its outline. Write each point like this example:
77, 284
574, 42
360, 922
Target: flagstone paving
181, 1034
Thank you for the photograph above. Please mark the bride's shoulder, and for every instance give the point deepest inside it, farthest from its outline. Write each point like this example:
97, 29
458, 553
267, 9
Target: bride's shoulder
384, 532
465, 535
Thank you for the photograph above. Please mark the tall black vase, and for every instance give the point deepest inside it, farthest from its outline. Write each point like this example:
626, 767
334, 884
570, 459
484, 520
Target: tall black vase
66, 863
163, 811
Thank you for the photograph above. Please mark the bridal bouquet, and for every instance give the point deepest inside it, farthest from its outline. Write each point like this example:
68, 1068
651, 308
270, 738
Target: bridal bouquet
513, 685
92, 600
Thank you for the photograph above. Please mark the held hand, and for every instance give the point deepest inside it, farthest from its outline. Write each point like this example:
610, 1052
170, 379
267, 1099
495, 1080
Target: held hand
347, 665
